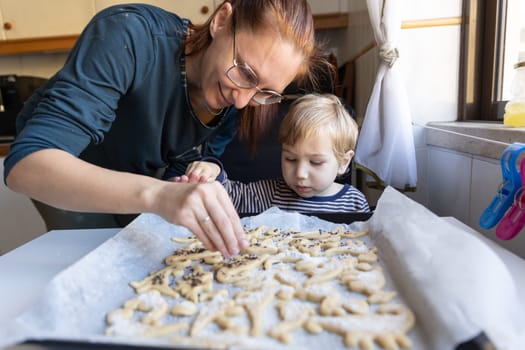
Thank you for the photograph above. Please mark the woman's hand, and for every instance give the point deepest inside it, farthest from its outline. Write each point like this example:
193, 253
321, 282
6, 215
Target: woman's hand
200, 171
207, 211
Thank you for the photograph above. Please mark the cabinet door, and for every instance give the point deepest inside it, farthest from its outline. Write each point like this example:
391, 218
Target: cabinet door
197, 11
37, 18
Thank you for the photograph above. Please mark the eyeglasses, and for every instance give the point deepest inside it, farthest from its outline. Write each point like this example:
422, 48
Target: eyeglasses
243, 76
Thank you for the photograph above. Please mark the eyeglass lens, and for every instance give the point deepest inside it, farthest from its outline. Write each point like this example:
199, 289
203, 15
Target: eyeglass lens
242, 75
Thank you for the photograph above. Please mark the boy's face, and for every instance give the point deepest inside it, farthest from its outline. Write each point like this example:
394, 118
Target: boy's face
310, 167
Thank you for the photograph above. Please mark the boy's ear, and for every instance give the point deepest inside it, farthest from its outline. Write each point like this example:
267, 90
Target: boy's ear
221, 19
345, 162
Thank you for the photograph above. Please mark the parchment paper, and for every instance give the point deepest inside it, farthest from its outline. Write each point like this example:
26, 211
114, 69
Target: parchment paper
456, 285
456, 282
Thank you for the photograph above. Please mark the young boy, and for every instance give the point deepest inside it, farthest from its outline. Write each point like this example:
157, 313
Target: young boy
318, 138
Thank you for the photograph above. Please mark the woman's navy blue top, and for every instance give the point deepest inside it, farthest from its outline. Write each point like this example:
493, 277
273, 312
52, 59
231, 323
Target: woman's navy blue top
121, 99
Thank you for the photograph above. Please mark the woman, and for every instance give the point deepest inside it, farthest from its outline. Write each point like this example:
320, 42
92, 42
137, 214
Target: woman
141, 92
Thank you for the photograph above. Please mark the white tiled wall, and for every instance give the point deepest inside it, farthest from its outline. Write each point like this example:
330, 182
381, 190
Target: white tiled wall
486, 180
449, 175
421, 195
462, 186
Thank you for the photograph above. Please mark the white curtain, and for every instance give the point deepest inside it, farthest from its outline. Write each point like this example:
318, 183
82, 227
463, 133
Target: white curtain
385, 149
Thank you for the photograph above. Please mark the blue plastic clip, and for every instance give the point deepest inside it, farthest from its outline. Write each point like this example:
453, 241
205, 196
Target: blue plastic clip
507, 190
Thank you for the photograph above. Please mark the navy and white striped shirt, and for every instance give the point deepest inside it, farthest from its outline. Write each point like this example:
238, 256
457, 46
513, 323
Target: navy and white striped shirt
255, 197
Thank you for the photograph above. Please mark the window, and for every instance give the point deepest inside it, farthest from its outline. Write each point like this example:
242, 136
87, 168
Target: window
514, 33
493, 34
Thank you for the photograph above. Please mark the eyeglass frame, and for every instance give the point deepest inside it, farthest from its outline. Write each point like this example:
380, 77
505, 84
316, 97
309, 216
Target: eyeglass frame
243, 65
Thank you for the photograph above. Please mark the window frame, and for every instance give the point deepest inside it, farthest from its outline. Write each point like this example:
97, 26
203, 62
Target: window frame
481, 60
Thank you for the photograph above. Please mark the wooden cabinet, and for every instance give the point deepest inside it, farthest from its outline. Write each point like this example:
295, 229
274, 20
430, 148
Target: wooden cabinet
30, 26
197, 11
22, 19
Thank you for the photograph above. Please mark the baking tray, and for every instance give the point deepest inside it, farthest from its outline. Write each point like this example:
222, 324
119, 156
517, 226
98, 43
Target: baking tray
480, 342
74, 345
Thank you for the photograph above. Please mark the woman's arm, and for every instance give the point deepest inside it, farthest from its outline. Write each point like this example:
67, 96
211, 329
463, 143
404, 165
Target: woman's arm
60, 179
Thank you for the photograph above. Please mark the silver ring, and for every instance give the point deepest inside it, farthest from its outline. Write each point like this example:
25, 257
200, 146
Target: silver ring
205, 220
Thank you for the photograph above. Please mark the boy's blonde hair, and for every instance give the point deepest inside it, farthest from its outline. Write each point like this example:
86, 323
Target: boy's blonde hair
320, 114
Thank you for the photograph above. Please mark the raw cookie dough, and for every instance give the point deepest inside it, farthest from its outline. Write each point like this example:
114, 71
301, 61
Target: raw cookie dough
286, 286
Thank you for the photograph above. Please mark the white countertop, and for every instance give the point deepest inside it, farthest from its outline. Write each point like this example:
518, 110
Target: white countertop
25, 270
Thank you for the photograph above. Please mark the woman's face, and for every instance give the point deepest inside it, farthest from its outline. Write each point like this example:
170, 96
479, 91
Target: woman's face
310, 167
274, 61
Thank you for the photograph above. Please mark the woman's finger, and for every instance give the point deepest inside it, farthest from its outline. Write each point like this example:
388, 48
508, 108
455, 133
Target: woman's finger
212, 234
237, 228
229, 228
206, 210
202, 235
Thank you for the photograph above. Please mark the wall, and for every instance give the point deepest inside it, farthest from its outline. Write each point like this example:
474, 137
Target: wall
449, 183
429, 59
428, 56
465, 192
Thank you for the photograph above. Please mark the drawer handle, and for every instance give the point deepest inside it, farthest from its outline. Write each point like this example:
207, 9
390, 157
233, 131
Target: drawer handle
8, 26
205, 10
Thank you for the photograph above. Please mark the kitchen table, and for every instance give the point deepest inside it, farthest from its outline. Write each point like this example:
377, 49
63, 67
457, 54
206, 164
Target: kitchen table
25, 270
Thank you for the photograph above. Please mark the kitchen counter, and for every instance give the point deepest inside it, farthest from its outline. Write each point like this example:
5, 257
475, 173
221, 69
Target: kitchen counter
484, 139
